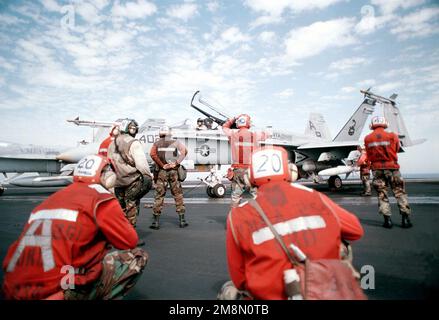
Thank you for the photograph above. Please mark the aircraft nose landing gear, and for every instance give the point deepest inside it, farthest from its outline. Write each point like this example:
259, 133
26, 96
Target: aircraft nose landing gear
215, 188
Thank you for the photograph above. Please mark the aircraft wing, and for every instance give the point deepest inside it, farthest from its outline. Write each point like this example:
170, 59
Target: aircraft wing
29, 164
329, 145
16, 157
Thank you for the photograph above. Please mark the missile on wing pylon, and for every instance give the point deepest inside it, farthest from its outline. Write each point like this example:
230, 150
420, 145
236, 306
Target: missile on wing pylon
39, 182
336, 171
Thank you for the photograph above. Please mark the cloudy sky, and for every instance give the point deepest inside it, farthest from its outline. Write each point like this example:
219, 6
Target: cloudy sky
277, 60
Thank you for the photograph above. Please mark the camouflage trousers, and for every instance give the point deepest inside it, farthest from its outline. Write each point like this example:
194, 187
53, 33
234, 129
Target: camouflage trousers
240, 184
229, 292
382, 180
129, 197
365, 179
121, 271
163, 177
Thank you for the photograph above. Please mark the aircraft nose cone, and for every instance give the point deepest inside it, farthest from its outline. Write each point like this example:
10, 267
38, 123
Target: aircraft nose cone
71, 155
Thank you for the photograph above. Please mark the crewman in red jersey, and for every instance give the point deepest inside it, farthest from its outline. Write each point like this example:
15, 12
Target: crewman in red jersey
364, 165
242, 142
382, 151
303, 217
63, 251
103, 148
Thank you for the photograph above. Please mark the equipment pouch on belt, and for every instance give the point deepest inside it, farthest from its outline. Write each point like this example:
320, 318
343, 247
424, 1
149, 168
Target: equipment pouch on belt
320, 279
182, 173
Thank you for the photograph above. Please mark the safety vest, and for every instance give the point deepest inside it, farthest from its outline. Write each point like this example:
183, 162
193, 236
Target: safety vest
103, 148
60, 238
242, 143
300, 216
124, 165
382, 148
167, 150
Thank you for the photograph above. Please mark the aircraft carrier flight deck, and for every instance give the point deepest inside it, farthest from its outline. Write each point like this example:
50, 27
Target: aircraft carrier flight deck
190, 263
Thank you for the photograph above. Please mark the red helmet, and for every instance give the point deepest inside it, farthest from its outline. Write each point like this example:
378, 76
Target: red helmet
89, 169
270, 164
243, 121
378, 122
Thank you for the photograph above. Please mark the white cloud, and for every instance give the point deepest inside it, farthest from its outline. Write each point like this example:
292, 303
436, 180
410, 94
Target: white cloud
418, 24
389, 86
369, 23
267, 36
309, 41
213, 6
348, 89
276, 8
6, 65
184, 11
266, 19
285, 94
348, 63
228, 38
51, 5
6, 19
389, 6
134, 10
364, 84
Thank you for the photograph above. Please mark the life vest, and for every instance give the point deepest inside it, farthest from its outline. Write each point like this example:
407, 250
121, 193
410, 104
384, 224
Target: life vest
124, 165
61, 233
167, 150
382, 148
242, 143
103, 148
300, 216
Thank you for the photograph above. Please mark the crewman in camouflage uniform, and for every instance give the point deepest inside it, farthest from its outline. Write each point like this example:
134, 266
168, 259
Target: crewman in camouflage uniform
167, 153
134, 178
382, 148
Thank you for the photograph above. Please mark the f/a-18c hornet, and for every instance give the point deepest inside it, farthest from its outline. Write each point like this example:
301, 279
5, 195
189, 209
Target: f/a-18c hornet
314, 153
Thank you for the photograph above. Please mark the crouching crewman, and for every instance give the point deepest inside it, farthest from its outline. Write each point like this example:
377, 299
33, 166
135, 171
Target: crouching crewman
63, 251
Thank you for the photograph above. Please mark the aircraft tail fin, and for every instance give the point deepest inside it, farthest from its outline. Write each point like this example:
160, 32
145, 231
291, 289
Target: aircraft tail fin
353, 128
317, 127
397, 125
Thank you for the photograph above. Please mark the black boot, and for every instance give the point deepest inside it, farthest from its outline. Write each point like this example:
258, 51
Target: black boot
183, 222
387, 222
141, 243
406, 223
156, 223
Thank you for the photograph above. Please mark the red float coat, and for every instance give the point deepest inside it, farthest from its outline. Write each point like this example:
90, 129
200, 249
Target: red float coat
382, 149
103, 148
242, 143
363, 163
71, 228
302, 216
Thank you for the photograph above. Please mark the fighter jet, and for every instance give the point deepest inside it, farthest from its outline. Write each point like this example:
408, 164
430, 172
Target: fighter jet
314, 152
40, 161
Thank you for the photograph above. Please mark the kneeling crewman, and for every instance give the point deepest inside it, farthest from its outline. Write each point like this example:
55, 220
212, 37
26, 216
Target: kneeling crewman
309, 226
68, 236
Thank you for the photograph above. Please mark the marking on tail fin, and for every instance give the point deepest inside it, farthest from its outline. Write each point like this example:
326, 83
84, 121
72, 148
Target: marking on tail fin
354, 126
317, 127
